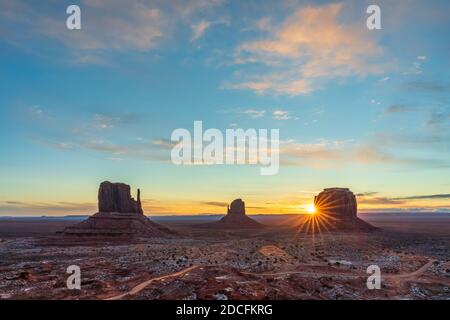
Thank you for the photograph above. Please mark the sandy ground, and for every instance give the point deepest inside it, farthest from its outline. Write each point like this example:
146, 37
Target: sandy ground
278, 262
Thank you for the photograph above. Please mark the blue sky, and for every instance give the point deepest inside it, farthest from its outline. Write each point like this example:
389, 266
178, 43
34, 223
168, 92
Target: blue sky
368, 110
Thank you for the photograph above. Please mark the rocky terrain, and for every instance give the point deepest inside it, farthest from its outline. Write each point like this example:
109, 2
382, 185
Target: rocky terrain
269, 263
122, 254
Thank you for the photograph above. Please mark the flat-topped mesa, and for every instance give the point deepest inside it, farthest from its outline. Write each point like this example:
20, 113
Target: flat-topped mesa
234, 219
236, 207
338, 209
338, 202
116, 197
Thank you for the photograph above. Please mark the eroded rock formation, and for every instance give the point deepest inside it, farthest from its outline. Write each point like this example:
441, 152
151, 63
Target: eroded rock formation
340, 202
235, 218
116, 197
337, 208
119, 216
236, 207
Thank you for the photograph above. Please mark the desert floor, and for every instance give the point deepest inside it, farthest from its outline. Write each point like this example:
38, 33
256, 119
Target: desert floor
281, 261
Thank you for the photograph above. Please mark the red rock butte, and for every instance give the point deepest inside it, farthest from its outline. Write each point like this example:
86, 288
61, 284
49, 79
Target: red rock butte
338, 209
119, 215
235, 218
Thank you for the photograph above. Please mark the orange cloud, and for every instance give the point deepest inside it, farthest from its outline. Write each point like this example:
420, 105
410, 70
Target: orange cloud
311, 43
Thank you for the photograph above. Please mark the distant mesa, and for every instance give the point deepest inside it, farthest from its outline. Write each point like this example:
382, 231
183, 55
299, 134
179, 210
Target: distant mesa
337, 208
235, 218
119, 215
237, 207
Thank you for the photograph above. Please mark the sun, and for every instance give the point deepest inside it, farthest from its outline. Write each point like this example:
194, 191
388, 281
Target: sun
311, 209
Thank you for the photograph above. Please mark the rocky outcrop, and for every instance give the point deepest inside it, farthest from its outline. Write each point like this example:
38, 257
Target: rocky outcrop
339, 202
337, 208
237, 207
116, 197
234, 219
125, 225
119, 216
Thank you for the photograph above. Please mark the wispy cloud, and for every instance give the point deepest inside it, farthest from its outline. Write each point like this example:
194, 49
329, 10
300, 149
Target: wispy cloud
371, 198
332, 154
439, 119
98, 133
164, 143
398, 108
311, 44
110, 26
199, 29
379, 200
29, 208
365, 194
422, 85
253, 113
215, 203
281, 115
428, 196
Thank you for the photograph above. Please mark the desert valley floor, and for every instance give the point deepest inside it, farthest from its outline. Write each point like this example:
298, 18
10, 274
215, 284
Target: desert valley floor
278, 262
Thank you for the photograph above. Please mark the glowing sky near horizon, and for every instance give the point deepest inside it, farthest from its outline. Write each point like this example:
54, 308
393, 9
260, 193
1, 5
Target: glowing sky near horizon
367, 110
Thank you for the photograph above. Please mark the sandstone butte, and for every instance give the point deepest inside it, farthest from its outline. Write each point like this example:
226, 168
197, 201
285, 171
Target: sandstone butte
119, 215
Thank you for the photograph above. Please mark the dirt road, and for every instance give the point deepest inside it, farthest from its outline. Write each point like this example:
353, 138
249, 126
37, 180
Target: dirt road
144, 284
396, 278
392, 277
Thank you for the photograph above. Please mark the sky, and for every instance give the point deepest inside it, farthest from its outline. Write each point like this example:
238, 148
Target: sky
357, 108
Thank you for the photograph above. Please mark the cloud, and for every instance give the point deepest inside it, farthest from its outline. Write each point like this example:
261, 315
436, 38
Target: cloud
368, 198
371, 154
103, 122
141, 150
264, 24
106, 121
378, 200
21, 207
281, 115
99, 133
438, 119
310, 44
319, 154
107, 147
338, 153
429, 196
35, 112
108, 26
199, 29
105, 24
254, 113
164, 143
432, 86
277, 83
215, 203
365, 194
408, 210
398, 108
